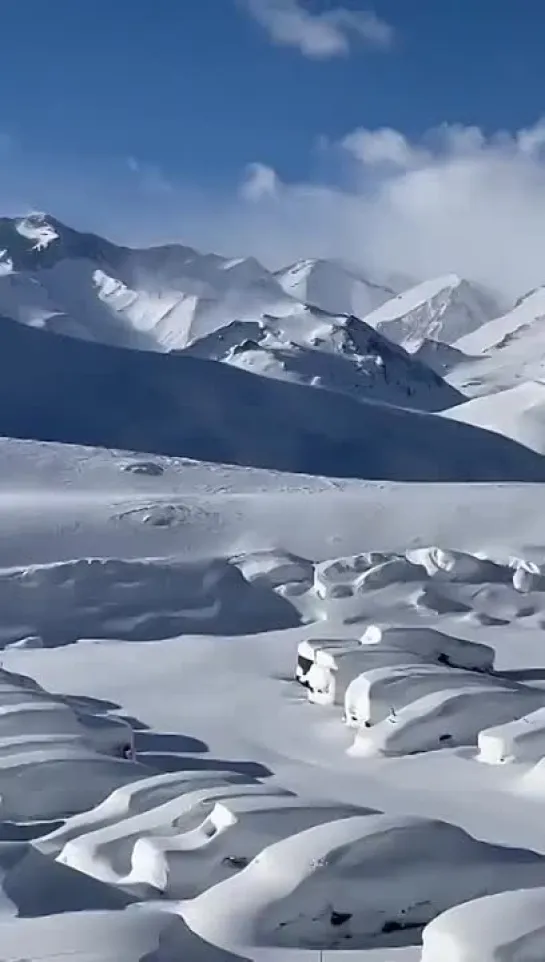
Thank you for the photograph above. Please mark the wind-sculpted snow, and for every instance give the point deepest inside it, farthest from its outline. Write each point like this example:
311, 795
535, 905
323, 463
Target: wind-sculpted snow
129, 935
506, 927
356, 883
136, 600
519, 740
143, 599
55, 756
448, 717
250, 825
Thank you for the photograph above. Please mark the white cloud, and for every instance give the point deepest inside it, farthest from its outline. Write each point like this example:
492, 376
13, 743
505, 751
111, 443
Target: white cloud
149, 177
455, 200
383, 146
260, 181
318, 35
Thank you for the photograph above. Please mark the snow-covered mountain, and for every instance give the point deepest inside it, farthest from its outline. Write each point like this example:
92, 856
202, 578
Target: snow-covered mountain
172, 297
333, 287
339, 353
64, 389
442, 309
159, 298
507, 351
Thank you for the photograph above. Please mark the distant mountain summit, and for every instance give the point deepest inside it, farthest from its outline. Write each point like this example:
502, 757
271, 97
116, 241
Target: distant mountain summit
333, 287
443, 309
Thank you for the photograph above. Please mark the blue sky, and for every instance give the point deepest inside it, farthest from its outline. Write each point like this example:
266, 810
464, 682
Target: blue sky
140, 117
196, 86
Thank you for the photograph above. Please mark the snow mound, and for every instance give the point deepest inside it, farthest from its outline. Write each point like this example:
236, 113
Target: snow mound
517, 413
333, 287
433, 645
332, 671
137, 932
449, 717
520, 740
381, 693
200, 838
185, 406
56, 756
443, 309
505, 927
358, 883
458, 566
137, 600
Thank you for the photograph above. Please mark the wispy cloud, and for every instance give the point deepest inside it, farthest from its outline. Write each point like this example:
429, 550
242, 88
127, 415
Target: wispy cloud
149, 177
454, 199
259, 181
318, 35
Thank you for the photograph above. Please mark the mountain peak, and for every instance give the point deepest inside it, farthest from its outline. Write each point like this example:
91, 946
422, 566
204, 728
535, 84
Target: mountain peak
332, 286
445, 308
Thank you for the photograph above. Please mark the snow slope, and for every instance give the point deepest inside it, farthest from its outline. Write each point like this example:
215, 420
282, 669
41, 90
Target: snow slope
501, 330
333, 287
443, 309
508, 351
339, 353
517, 413
89, 393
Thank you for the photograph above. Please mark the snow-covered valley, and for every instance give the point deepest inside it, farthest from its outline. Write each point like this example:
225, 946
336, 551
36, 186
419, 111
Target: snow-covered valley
272, 611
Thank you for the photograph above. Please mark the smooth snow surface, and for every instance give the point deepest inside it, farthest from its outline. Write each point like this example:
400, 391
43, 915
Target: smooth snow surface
507, 352
508, 927
333, 287
517, 413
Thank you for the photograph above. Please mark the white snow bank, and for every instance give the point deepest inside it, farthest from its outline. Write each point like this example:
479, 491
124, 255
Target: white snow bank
130, 935
356, 883
519, 740
445, 719
332, 673
138, 796
433, 645
458, 566
55, 757
505, 927
135, 600
381, 693
105, 852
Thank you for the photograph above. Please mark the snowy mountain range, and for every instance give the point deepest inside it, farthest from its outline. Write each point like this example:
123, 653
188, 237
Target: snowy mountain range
319, 328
